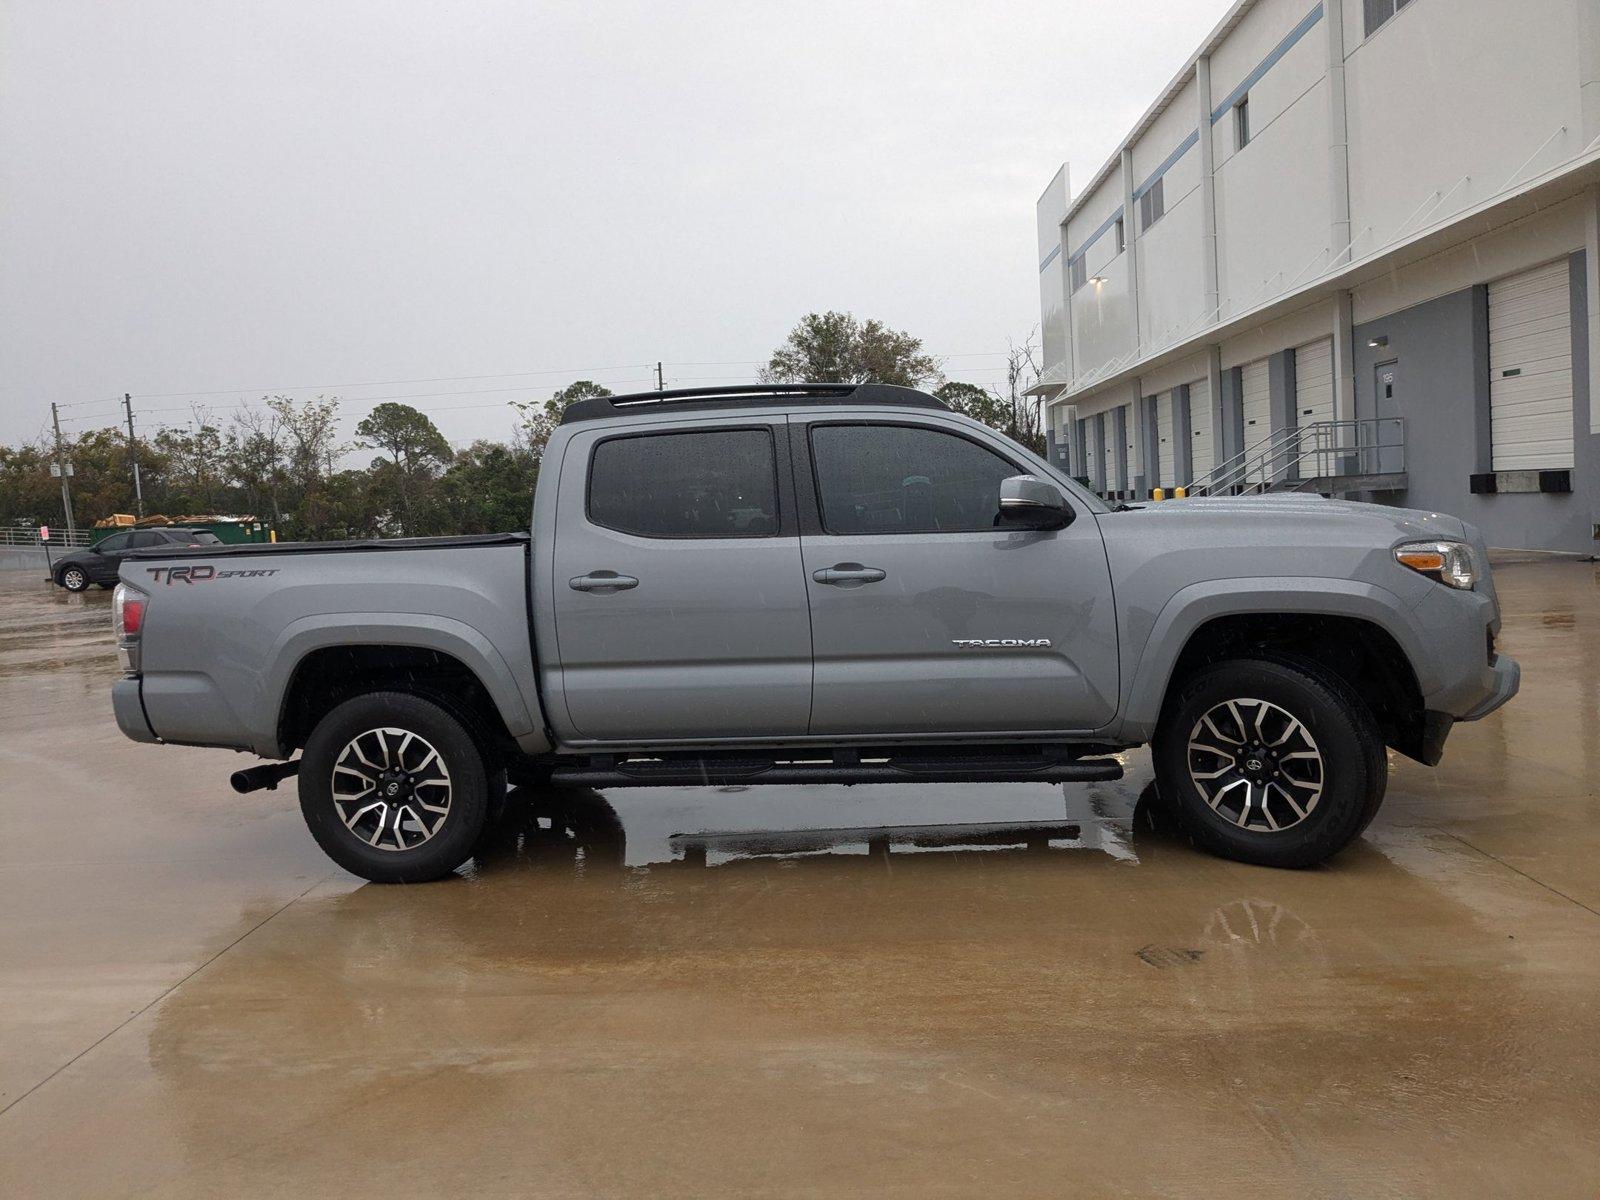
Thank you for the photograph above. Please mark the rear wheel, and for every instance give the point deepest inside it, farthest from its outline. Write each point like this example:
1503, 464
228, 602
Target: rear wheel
73, 579
394, 788
1275, 762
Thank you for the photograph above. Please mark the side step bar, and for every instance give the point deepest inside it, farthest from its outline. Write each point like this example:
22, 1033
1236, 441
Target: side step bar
605, 772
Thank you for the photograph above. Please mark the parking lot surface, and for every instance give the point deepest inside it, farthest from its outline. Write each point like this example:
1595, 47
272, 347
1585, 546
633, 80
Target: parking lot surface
882, 990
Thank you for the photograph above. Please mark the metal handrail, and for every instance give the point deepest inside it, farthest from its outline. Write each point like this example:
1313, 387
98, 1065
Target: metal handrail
1335, 447
24, 535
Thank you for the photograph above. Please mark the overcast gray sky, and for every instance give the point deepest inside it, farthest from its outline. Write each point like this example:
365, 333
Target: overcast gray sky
299, 197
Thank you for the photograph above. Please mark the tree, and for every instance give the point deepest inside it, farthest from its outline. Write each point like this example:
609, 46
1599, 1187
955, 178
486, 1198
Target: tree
488, 489
416, 450
834, 347
978, 403
312, 449
1027, 416
539, 421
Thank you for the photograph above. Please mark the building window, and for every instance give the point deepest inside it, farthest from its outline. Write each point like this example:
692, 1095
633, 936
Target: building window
1077, 273
1241, 123
1122, 240
1379, 11
1152, 205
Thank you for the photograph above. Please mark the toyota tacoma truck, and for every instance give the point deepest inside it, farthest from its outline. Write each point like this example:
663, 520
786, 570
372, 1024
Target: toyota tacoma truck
821, 583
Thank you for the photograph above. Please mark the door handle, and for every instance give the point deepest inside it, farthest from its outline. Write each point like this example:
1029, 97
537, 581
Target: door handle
848, 575
604, 582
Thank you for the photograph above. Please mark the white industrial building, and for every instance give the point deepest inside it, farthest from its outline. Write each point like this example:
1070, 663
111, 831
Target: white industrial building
1353, 248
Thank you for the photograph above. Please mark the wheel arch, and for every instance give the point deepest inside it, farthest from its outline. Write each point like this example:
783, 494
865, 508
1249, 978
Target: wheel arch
323, 661
1360, 632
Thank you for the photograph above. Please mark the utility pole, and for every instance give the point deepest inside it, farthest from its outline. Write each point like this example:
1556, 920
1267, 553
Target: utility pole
133, 453
62, 466
660, 386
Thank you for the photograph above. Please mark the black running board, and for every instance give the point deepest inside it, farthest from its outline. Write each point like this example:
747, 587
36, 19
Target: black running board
704, 773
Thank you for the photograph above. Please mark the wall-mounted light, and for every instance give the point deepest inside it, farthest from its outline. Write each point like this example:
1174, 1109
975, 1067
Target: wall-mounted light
1097, 280
1378, 342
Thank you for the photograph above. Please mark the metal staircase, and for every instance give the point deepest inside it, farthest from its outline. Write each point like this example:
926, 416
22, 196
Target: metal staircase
1334, 458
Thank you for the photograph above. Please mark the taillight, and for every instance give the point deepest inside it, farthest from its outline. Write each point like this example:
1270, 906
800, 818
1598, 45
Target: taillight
127, 611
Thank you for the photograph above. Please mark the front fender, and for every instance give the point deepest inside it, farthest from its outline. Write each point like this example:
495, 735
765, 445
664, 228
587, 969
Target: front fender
455, 638
1148, 666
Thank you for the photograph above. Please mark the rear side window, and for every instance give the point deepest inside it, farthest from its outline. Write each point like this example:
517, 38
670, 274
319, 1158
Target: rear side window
716, 483
905, 479
200, 537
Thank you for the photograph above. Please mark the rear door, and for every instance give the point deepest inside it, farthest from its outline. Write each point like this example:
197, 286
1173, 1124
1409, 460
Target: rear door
925, 618
680, 602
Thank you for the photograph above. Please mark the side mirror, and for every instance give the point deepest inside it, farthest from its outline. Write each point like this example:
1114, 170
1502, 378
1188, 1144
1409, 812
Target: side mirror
1028, 502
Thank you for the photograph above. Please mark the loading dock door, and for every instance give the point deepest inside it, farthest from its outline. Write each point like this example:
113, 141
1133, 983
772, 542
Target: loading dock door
1530, 370
1166, 448
1313, 382
1256, 393
1202, 443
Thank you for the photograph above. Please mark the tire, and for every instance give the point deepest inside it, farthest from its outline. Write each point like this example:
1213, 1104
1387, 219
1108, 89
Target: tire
442, 801
1270, 793
74, 579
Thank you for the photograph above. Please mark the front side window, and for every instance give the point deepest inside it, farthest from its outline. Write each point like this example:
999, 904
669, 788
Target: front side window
715, 483
117, 541
140, 541
905, 479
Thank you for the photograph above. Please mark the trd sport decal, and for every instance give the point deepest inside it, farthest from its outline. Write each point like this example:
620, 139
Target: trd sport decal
204, 573
999, 643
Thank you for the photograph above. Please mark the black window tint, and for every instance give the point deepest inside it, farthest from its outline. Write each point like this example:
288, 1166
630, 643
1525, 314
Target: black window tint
117, 541
905, 479
139, 541
201, 537
718, 484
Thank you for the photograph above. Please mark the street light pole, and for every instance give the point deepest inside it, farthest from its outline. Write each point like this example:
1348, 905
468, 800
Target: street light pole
63, 467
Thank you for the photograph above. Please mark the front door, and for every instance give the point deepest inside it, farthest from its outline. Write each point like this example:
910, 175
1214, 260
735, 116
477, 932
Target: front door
679, 600
925, 618
1386, 433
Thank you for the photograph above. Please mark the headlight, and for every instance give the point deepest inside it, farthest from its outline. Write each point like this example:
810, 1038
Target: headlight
1448, 562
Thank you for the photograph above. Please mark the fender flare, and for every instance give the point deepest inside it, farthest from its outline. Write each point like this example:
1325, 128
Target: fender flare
1149, 668
426, 632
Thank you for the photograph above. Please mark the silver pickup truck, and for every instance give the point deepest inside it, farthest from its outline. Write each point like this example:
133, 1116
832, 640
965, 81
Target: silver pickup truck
822, 583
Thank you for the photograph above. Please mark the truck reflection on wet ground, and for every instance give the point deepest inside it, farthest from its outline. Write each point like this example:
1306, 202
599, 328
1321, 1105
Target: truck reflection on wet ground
556, 828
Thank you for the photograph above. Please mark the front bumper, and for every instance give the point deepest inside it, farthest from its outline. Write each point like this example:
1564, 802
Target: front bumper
129, 710
1501, 680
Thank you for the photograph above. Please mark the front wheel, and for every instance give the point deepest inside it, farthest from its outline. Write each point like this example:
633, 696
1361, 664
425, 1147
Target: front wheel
394, 788
1270, 762
73, 579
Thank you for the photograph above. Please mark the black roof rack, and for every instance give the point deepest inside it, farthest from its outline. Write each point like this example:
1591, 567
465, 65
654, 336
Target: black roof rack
753, 394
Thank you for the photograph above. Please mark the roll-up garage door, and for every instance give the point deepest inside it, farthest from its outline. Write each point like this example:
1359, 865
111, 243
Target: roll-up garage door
1313, 382
1256, 393
1166, 447
1201, 441
1530, 370
1113, 446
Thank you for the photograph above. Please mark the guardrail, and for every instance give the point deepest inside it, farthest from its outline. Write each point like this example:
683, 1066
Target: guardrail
23, 535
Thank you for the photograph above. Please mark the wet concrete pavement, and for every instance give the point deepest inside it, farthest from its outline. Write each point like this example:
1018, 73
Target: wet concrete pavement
1066, 1000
